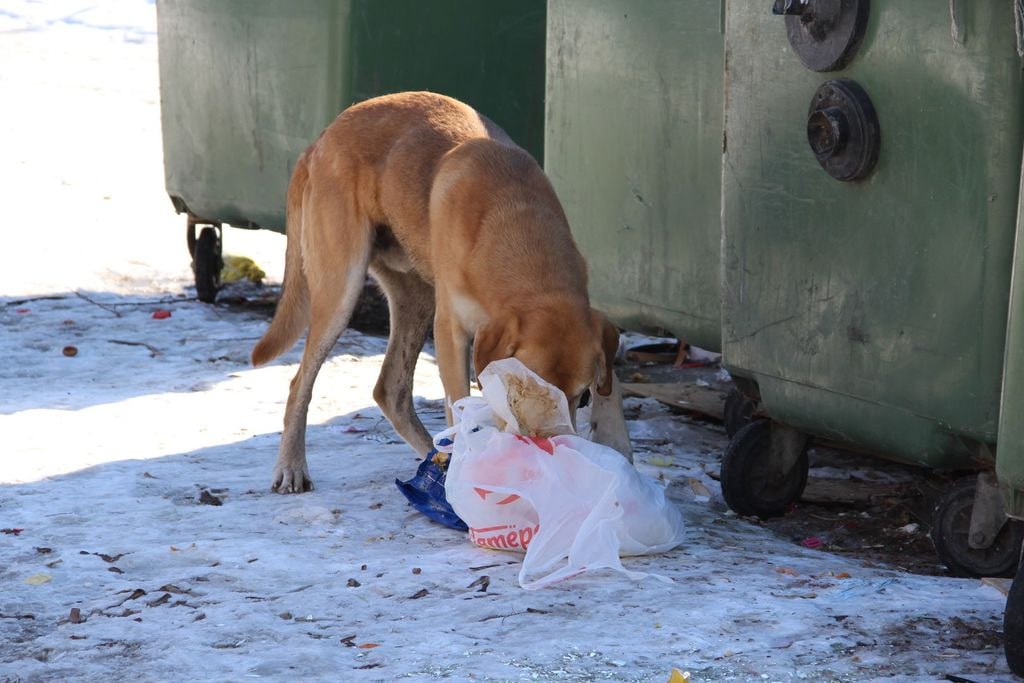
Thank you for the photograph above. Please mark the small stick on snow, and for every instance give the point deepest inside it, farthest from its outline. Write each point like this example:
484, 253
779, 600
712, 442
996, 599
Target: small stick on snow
153, 351
19, 302
105, 307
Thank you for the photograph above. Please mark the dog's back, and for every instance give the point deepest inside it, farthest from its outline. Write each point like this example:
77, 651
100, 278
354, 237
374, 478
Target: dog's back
403, 139
381, 155
494, 212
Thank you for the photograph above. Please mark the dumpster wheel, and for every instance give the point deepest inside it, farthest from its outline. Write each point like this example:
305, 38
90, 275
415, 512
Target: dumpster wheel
1013, 624
951, 524
739, 412
759, 480
207, 260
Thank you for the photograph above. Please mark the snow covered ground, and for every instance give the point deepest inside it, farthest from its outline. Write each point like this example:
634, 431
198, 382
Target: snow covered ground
139, 536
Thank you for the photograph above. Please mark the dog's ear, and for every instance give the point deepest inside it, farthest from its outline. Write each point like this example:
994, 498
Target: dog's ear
609, 335
496, 340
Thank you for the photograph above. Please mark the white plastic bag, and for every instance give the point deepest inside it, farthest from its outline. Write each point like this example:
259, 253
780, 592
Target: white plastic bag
522, 481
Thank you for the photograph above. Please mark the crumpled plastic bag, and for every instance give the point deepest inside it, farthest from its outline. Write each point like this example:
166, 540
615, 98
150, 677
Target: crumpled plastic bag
425, 492
523, 481
241, 268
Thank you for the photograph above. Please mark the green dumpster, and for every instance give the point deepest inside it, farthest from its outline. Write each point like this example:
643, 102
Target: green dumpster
869, 198
246, 85
633, 148
1010, 453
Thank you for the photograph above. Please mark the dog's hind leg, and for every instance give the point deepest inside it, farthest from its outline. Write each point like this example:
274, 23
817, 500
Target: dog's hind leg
411, 307
336, 254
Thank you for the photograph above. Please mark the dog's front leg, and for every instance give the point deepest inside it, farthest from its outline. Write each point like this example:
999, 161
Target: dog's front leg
608, 422
452, 346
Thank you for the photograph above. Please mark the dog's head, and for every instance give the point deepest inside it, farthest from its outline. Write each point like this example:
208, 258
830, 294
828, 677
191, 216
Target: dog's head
572, 351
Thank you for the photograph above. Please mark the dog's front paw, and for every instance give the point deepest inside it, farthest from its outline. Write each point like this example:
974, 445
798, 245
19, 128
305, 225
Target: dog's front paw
291, 479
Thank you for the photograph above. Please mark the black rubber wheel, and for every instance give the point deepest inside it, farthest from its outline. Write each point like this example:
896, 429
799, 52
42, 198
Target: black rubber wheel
749, 486
951, 525
739, 411
1013, 625
207, 262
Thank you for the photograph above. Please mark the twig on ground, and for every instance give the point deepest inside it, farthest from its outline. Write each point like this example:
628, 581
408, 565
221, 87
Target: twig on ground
176, 300
105, 307
19, 302
186, 340
153, 351
502, 616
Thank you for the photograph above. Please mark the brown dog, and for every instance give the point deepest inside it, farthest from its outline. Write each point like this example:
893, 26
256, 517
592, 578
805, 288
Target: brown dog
463, 231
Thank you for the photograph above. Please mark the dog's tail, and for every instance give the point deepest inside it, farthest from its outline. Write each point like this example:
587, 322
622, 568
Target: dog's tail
292, 315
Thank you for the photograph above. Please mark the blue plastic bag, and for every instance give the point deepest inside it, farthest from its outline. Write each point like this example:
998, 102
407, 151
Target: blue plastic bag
425, 492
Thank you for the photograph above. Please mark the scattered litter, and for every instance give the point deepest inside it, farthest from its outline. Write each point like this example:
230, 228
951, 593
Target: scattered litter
855, 588
696, 364
161, 314
910, 528
656, 353
38, 579
699, 489
207, 498
812, 542
163, 599
481, 584
104, 556
241, 268
426, 491
70, 351
11, 532
1001, 585
678, 676
684, 396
